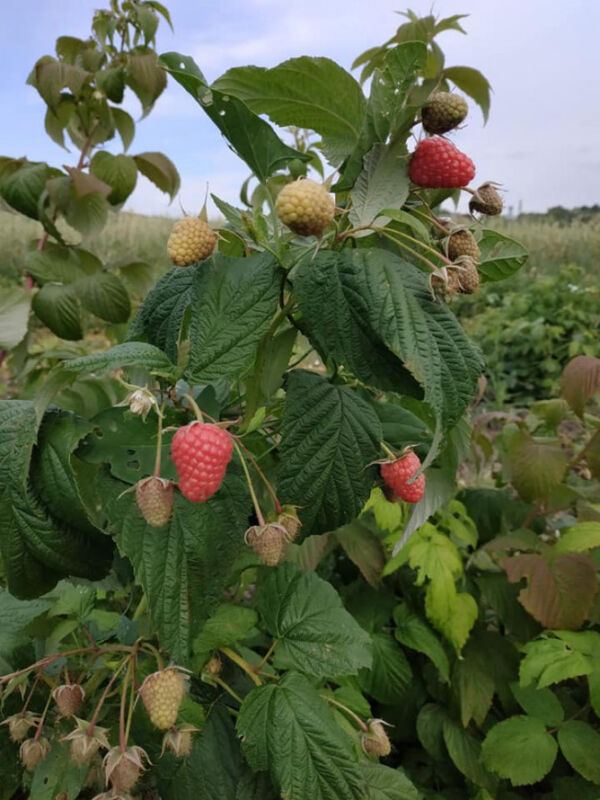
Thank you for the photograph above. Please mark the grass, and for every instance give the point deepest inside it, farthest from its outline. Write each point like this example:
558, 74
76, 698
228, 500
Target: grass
126, 238
132, 237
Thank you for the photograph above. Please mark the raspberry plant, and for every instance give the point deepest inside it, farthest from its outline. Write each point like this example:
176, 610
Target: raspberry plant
226, 544
83, 86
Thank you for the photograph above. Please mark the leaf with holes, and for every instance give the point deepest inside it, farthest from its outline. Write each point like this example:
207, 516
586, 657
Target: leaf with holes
252, 138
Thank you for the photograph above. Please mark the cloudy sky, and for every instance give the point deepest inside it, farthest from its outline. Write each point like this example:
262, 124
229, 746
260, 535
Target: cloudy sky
542, 58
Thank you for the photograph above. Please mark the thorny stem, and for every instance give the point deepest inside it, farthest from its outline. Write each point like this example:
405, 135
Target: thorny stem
109, 686
30, 695
242, 664
259, 515
43, 662
132, 699
350, 713
124, 688
40, 725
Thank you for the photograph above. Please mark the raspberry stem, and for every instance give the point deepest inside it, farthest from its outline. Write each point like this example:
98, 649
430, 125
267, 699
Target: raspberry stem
159, 434
107, 689
220, 682
195, 407
242, 664
259, 515
432, 267
262, 475
40, 725
268, 654
416, 241
350, 713
388, 451
30, 695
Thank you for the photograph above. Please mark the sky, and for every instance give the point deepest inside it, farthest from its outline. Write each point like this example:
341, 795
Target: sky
541, 57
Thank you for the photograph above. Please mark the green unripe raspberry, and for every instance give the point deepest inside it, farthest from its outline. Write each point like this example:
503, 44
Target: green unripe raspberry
306, 207
463, 243
443, 112
191, 240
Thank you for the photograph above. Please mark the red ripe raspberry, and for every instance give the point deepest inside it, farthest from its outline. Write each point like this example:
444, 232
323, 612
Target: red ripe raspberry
397, 474
200, 452
438, 164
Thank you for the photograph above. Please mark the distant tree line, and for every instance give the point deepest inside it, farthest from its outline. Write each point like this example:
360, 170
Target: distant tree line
565, 216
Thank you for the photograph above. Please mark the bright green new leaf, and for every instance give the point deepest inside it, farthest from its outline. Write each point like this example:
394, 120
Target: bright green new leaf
520, 749
549, 661
414, 633
579, 538
315, 633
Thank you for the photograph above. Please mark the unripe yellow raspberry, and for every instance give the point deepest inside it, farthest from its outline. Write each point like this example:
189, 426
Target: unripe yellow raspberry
306, 207
162, 693
191, 240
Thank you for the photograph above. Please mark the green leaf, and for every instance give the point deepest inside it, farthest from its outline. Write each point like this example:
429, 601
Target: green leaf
414, 633
466, 751
542, 704
87, 214
59, 265
501, 256
287, 729
160, 170
390, 675
214, 768
535, 468
58, 775
111, 81
474, 682
580, 745
57, 307
52, 474
579, 538
36, 551
119, 172
351, 299
330, 435
105, 296
253, 139
23, 188
549, 661
316, 635
520, 749
430, 730
384, 783
364, 549
560, 587
233, 302
183, 566
125, 126
128, 354
383, 183
226, 627
15, 615
305, 92
472, 83
14, 314
160, 316
146, 78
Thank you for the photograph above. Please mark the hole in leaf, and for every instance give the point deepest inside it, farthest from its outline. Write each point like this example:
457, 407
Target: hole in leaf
133, 464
